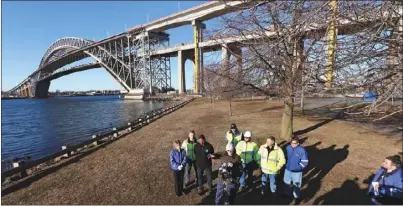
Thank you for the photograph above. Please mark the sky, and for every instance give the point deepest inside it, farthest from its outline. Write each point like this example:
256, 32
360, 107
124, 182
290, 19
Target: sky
29, 28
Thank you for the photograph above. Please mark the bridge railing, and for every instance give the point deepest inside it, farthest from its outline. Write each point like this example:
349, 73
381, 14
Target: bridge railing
30, 168
176, 46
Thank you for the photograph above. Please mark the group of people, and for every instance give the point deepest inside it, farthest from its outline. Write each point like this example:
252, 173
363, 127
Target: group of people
236, 164
243, 156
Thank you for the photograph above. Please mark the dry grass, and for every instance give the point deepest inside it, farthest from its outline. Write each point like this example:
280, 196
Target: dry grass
135, 169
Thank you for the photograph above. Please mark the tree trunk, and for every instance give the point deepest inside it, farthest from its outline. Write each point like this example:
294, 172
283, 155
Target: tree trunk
392, 99
302, 102
287, 120
213, 101
230, 108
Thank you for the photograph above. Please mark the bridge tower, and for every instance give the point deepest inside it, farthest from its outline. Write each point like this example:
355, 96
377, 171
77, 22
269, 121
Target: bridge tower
149, 72
198, 56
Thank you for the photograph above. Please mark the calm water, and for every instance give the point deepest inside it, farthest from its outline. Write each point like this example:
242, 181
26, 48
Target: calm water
38, 127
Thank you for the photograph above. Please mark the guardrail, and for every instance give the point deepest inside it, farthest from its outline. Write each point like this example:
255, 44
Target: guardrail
68, 151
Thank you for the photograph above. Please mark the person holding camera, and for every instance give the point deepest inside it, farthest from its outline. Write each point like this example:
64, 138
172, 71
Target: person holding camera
228, 175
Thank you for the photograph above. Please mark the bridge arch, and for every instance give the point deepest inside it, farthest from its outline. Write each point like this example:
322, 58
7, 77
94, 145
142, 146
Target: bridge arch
63, 46
55, 57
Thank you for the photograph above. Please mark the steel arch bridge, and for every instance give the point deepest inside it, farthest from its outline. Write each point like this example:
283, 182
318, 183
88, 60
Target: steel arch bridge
125, 56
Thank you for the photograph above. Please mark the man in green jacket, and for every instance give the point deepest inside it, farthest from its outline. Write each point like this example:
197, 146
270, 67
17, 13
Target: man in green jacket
188, 146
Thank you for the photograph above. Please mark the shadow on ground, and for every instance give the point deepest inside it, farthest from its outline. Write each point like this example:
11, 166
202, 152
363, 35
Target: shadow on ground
322, 161
272, 108
338, 115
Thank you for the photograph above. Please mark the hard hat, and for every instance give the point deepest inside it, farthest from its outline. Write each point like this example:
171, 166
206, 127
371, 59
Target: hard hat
247, 134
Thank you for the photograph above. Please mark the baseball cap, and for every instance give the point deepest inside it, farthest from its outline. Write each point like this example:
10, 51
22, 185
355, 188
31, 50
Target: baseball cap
233, 126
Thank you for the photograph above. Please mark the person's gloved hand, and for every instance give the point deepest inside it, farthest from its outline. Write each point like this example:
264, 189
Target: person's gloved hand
180, 167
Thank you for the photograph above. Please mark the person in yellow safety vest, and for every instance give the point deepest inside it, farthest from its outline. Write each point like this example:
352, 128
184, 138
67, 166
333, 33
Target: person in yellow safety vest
188, 146
247, 150
270, 159
233, 136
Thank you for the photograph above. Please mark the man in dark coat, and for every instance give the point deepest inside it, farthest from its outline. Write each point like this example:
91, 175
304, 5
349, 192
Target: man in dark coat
204, 153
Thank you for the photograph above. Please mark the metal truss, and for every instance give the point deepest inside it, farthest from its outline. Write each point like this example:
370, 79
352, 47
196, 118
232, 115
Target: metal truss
127, 57
68, 70
63, 46
33, 80
160, 65
112, 56
161, 71
141, 61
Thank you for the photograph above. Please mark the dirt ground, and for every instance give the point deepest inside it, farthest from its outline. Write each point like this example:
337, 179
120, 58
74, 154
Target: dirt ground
135, 169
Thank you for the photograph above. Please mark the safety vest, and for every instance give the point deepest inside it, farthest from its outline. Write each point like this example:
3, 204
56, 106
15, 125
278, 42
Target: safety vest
189, 148
247, 151
233, 139
272, 162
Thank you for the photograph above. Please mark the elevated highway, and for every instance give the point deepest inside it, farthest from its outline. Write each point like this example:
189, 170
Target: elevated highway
139, 58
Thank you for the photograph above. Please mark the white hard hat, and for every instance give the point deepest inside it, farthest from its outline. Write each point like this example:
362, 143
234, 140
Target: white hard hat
229, 147
247, 134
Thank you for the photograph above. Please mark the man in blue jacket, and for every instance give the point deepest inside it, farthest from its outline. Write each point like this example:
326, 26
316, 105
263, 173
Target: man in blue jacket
178, 161
387, 185
297, 160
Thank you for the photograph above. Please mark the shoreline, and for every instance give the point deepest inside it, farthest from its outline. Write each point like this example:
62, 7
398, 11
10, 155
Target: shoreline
130, 172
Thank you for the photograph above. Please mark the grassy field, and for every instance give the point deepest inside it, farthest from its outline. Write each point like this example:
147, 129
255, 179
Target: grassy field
135, 169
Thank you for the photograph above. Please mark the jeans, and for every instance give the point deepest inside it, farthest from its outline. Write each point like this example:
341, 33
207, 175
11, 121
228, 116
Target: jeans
247, 169
296, 179
272, 179
209, 174
188, 169
178, 178
230, 190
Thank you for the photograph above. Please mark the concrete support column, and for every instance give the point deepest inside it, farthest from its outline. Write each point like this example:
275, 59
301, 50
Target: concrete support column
181, 72
24, 91
42, 89
298, 51
226, 52
198, 54
29, 91
237, 53
395, 47
225, 57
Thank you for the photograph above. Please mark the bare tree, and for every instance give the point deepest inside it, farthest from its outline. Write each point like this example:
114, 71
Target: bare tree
211, 82
221, 82
287, 48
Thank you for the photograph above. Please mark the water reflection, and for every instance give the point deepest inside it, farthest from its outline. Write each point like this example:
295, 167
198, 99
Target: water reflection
38, 127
